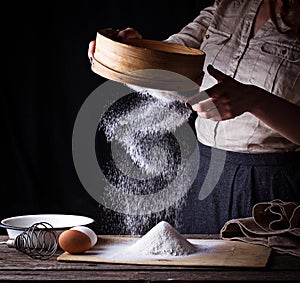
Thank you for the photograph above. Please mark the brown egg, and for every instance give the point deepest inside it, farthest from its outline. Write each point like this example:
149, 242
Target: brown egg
77, 240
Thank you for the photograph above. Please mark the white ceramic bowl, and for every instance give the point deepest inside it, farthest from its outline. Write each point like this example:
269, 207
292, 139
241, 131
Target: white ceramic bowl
60, 222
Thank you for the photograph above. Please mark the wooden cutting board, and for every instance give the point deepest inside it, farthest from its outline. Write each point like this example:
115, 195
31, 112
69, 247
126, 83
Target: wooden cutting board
112, 249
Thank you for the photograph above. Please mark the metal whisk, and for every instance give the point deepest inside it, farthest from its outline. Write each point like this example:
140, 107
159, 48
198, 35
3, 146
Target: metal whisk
38, 241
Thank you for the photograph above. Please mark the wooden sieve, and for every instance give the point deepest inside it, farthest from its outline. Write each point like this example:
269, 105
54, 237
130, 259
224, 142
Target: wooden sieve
147, 63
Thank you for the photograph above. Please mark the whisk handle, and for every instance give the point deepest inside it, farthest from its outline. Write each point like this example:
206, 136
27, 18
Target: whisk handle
11, 243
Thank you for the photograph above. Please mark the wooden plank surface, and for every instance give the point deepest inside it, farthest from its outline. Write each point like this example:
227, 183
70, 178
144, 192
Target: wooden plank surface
211, 252
15, 265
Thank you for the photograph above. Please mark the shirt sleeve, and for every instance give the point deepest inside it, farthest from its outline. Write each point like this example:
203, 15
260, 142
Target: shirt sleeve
192, 34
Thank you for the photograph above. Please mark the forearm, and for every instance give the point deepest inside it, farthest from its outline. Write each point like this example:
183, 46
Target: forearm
278, 113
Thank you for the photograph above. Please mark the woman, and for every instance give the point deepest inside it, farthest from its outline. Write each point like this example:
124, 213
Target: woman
251, 116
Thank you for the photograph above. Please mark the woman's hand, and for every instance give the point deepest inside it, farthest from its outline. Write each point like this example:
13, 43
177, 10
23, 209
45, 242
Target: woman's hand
91, 50
129, 33
225, 100
230, 98
124, 35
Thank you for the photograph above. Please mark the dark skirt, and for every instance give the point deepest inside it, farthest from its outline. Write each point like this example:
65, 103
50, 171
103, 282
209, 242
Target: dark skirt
245, 180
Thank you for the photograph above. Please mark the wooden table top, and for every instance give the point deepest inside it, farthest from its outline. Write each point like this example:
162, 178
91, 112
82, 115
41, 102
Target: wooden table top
15, 265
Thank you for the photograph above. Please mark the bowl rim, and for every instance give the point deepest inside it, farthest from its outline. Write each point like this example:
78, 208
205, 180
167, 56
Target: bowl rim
3, 223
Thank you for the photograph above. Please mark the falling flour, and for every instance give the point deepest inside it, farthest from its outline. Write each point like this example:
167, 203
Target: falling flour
145, 155
164, 240
141, 130
163, 95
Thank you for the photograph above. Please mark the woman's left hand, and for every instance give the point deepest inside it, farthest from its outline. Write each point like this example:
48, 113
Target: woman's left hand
225, 100
124, 35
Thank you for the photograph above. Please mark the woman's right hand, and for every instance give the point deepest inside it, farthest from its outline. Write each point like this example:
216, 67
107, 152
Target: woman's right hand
124, 35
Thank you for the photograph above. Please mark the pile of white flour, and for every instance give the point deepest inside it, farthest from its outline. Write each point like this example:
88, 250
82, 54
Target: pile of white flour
163, 240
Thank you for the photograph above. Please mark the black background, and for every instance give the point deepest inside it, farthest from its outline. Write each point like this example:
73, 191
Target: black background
46, 78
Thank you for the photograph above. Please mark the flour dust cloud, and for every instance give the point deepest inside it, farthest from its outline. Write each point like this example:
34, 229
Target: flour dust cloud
145, 151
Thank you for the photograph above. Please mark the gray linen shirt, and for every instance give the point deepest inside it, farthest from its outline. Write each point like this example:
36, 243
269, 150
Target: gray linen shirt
269, 60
